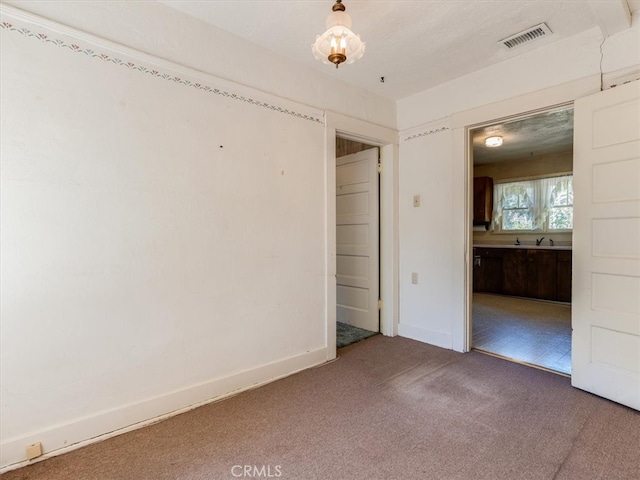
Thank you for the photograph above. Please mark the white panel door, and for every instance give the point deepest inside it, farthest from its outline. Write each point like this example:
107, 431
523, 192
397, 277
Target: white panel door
357, 243
606, 245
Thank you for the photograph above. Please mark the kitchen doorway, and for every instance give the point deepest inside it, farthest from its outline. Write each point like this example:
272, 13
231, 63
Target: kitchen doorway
522, 238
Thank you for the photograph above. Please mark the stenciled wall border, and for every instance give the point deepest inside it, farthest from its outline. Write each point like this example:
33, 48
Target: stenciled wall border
425, 134
12, 26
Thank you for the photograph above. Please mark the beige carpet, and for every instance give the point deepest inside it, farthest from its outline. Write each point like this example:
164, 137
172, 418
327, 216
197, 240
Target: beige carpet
389, 408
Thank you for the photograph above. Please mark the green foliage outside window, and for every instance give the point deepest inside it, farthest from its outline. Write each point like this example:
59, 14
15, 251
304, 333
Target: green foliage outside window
544, 204
517, 213
561, 205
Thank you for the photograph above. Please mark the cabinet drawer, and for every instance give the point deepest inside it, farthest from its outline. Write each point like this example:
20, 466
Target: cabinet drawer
488, 252
564, 255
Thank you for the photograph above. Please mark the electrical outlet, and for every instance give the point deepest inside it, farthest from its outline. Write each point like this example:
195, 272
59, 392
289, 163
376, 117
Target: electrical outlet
414, 278
416, 200
34, 450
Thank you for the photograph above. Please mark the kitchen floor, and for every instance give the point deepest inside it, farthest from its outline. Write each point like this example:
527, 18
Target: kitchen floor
530, 331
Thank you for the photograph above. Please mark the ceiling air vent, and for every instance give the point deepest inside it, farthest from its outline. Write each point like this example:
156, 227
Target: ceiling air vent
526, 36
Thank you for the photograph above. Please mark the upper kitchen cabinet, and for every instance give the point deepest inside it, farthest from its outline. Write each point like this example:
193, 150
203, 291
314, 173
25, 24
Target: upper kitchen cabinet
482, 201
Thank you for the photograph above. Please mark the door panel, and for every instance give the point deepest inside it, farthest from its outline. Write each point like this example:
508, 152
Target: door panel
357, 239
606, 245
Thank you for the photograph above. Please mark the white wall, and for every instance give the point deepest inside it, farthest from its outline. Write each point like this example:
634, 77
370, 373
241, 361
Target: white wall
425, 235
163, 244
166, 33
434, 238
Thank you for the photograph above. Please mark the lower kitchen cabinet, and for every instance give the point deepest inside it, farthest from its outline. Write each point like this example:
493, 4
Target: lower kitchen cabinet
541, 274
487, 274
563, 281
514, 272
522, 272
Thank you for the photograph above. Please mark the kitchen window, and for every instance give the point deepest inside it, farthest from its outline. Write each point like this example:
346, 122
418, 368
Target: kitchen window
541, 205
560, 209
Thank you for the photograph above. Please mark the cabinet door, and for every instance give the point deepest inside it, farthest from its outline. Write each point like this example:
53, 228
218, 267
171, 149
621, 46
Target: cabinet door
487, 276
541, 274
482, 200
514, 272
563, 284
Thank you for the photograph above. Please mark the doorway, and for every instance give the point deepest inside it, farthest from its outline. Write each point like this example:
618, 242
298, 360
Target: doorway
357, 241
522, 238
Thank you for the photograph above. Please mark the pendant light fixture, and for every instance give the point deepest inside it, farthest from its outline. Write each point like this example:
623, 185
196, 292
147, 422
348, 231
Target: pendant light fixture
338, 44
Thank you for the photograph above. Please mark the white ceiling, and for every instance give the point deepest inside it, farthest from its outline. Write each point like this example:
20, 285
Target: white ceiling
542, 134
414, 44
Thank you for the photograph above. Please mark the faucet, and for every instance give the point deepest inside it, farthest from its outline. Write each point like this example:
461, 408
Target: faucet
517, 241
538, 242
551, 242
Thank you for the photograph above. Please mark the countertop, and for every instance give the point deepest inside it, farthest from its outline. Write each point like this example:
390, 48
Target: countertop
526, 247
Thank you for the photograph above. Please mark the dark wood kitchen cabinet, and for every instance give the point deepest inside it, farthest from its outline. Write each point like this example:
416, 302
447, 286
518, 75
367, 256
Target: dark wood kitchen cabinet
523, 272
541, 274
487, 270
514, 272
482, 201
563, 282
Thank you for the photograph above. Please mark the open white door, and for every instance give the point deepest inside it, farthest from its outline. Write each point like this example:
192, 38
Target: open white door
357, 244
606, 245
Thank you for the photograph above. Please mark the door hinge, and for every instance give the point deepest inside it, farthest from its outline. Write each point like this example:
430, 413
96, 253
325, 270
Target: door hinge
379, 167
379, 304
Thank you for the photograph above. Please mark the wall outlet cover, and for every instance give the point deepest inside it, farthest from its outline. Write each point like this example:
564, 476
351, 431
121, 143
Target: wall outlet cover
34, 450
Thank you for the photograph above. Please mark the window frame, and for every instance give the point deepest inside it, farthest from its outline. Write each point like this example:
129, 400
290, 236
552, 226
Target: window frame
549, 207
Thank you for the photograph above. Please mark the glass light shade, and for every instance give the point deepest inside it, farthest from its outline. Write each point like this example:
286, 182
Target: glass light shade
493, 141
338, 40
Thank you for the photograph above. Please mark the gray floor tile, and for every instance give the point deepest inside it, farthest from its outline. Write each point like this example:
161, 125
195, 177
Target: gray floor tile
526, 330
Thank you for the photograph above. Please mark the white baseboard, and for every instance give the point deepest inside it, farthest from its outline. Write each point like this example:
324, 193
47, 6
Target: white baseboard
59, 439
432, 337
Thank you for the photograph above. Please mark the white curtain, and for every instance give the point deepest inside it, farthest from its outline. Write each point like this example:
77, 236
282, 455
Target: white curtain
534, 194
513, 195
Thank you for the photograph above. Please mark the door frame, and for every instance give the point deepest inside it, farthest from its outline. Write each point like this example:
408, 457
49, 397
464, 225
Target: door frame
470, 165
387, 140
461, 124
